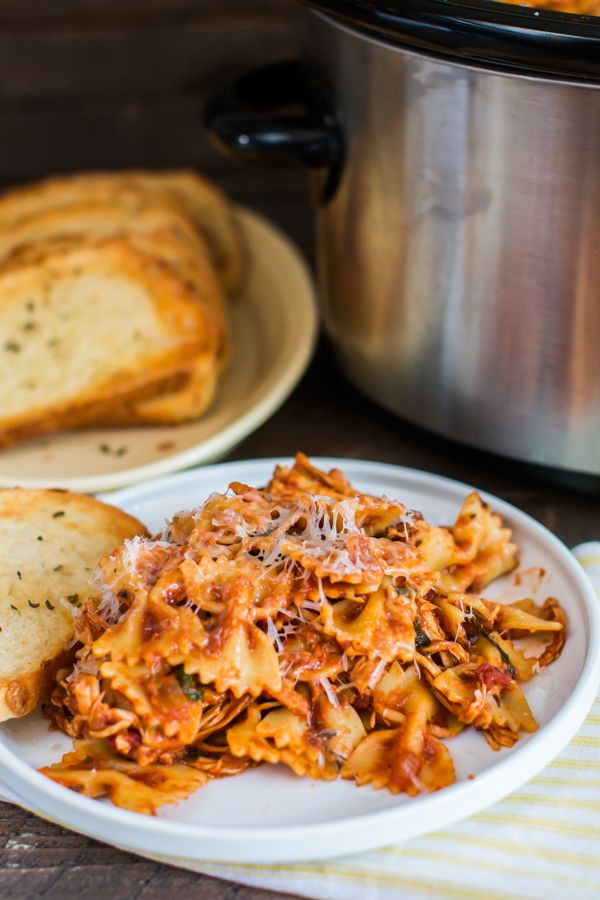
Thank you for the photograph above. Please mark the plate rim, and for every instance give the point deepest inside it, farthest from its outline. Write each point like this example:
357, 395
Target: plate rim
249, 421
319, 840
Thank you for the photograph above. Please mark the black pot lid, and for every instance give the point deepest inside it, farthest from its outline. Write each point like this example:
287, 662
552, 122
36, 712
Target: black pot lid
525, 40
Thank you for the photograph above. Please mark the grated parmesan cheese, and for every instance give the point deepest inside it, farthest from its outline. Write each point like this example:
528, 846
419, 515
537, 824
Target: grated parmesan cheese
310, 604
348, 685
329, 691
322, 596
272, 632
377, 672
87, 666
109, 607
134, 547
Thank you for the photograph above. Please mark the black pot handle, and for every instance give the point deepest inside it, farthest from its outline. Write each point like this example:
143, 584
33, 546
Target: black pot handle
277, 115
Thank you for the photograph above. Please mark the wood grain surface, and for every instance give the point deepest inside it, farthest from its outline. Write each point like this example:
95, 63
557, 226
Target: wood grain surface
102, 83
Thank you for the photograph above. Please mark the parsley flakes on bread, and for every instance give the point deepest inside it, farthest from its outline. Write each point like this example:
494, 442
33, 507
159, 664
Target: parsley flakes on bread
51, 543
113, 290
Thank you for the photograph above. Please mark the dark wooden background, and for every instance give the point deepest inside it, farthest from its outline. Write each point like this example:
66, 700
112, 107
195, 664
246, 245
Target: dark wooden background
121, 83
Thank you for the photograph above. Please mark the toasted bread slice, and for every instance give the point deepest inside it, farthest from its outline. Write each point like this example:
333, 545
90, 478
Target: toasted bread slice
51, 543
105, 218
94, 327
211, 213
197, 270
183, 403
203, 202
188, 401
158, 231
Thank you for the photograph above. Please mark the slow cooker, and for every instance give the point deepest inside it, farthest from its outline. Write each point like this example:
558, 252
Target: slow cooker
454, 157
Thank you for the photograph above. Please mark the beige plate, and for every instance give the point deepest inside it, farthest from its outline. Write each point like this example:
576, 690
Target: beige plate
274, 325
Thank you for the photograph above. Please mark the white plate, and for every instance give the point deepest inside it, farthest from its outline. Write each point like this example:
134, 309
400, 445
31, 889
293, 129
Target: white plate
270, 815
274, 325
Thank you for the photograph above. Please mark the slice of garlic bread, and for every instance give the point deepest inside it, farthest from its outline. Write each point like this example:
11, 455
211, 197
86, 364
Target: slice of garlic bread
51, 542
93, 327
188, 401
157, 231
203, 202
103, 219
212, 215
182, 404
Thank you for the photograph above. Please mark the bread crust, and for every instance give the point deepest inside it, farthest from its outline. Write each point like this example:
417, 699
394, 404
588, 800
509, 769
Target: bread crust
202, 200
188, 247
183, 404
190, 262
86, 529
22, 694
192, 329
212, 214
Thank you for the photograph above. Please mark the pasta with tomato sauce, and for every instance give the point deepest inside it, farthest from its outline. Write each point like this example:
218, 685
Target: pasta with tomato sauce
303, 623
578, 7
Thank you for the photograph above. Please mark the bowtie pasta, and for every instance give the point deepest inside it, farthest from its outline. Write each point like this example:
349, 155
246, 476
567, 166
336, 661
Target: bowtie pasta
303, 623
578, 7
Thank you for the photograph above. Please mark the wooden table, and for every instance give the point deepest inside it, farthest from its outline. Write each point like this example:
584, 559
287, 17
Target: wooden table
324, 416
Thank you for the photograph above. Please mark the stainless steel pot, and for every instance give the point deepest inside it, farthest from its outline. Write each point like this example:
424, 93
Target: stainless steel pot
458, 213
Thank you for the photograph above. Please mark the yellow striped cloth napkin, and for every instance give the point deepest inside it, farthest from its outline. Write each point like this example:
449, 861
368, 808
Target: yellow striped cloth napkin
541, 842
